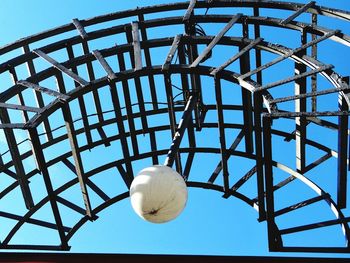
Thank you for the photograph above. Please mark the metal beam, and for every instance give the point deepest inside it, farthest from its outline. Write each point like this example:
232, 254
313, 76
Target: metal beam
89, 66
273, 235
222, 139
40, 89
37, 93
189, 11
148, 61
300, 106
296, 77
289, 54
309, 94
172, 51
343, 135
136, 45
110, 73
257, 99
301, 204
81, 101
79, 169
19, 107
233, 147
180, 130
80, 28
236, 56
17, 162
172, 120
129, 111
298, 12
121, 129
42, 165
215, 40
61, 68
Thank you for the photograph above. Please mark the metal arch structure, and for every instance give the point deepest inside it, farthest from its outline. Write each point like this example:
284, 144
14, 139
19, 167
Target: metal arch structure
121, 98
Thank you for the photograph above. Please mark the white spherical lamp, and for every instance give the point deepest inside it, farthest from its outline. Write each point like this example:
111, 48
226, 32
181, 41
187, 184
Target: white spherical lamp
158, 194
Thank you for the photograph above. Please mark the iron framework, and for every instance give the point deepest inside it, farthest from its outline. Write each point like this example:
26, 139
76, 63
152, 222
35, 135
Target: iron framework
121, 87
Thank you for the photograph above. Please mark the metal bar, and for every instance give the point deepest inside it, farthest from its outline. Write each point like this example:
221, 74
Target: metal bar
172, 120
307, 114
89, 66
61, 68
121, 129
301, 204
33, 221
343, 133
40, 89
141, 104
19, 107
90, 70
314, 56
309, 94
257, 98
97, 190
296, 77
256, 12
67, 116
298, 12
69, 165
317, 162
223, 151
17, 162
81, 101
103, 135
80, 28
289, 54
180, 130
127, 178
273, 234
189, 11
300, 106
136, 45
19, 94
244, 179
242, 52
12, 126
148, 61
129, 112
71, 205
172, 51
190, 126
215, 40
110, 73
218, 168
244, 63
37, 93
314, 226
152, 136
42, 165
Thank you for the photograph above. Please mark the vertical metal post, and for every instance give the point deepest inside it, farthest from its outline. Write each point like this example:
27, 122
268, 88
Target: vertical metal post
273, 234
247, 97
257, 98
222, 138
300, 106
343, 123
40, 158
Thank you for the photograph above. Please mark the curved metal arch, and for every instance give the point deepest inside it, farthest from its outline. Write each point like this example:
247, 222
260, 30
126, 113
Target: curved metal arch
183, 68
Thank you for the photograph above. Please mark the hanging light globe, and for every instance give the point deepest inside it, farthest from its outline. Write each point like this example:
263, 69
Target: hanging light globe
158, 194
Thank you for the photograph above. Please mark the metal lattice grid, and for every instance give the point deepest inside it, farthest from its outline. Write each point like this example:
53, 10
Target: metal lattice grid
120, 89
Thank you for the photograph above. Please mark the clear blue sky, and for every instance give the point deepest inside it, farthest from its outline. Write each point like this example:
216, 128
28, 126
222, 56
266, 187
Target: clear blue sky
209, 224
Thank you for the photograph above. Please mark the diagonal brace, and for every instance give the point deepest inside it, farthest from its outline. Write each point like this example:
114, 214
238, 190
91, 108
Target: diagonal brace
174, 147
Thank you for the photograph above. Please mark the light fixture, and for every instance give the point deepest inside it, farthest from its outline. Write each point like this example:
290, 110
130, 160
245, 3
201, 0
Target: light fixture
158, 194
